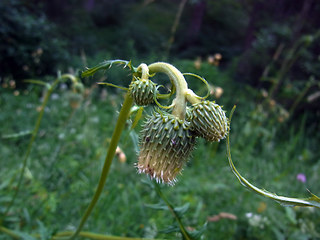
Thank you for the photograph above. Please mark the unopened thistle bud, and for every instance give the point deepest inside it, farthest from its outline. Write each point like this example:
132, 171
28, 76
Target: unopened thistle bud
143, 91
166, 142
209, 121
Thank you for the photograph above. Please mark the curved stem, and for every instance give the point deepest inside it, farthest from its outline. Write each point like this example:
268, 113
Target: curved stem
33, 137
313, 201
69, 76
179, 109
144, 70
203, 80
123, 115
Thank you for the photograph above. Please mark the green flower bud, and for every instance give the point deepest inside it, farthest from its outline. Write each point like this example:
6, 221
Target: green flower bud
209, 121
143, 91
166, 143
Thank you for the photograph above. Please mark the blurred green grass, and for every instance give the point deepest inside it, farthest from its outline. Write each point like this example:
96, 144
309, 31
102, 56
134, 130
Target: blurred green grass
66, 161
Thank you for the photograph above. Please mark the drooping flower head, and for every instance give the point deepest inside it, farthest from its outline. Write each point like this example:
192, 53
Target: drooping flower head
165, 144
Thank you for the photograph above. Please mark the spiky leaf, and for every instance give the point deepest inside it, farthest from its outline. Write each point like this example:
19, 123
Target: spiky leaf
106, 65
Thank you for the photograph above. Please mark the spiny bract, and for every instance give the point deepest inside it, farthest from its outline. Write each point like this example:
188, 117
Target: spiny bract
143, 91
209, 121
166, 142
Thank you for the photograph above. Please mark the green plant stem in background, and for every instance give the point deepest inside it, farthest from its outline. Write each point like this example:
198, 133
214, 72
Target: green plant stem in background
171, 208
123, 115
175, 26
9, 232
33, 137
89, 235
300, 97
291, 57
97, 236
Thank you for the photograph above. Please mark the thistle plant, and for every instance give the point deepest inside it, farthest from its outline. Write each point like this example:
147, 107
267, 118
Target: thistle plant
168, 137
169, 134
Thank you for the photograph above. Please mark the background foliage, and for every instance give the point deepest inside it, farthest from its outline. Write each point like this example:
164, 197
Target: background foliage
270, 68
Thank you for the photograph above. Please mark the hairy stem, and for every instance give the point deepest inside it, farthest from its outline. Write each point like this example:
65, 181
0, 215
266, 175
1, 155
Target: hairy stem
123, 115
144, 70
181, 86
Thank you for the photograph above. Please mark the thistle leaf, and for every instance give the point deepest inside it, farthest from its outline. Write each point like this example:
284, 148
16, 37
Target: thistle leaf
17, 135
313, 201
170, 229
137, 117
197, 234
106, 65
135, 140
182, 209
158, 206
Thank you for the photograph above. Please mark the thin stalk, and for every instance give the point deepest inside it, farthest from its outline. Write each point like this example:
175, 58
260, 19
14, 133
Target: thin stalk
33, 137
171, 208
299, 98
89, 235
96, 236
9, 232
175, 26
123, 115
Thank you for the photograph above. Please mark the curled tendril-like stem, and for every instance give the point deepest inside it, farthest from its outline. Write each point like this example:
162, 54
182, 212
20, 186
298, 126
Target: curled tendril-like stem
203, 80
166, 95
161, 106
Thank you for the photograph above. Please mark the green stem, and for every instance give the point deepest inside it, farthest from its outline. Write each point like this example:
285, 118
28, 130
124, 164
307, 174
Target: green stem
90, 235
299, 98
9, 232
175, 26
171, 208
123, 115
33, 137
183, 93
96, 236
144, 70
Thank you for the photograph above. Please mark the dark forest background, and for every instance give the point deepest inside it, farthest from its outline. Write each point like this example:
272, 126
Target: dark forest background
266, 44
